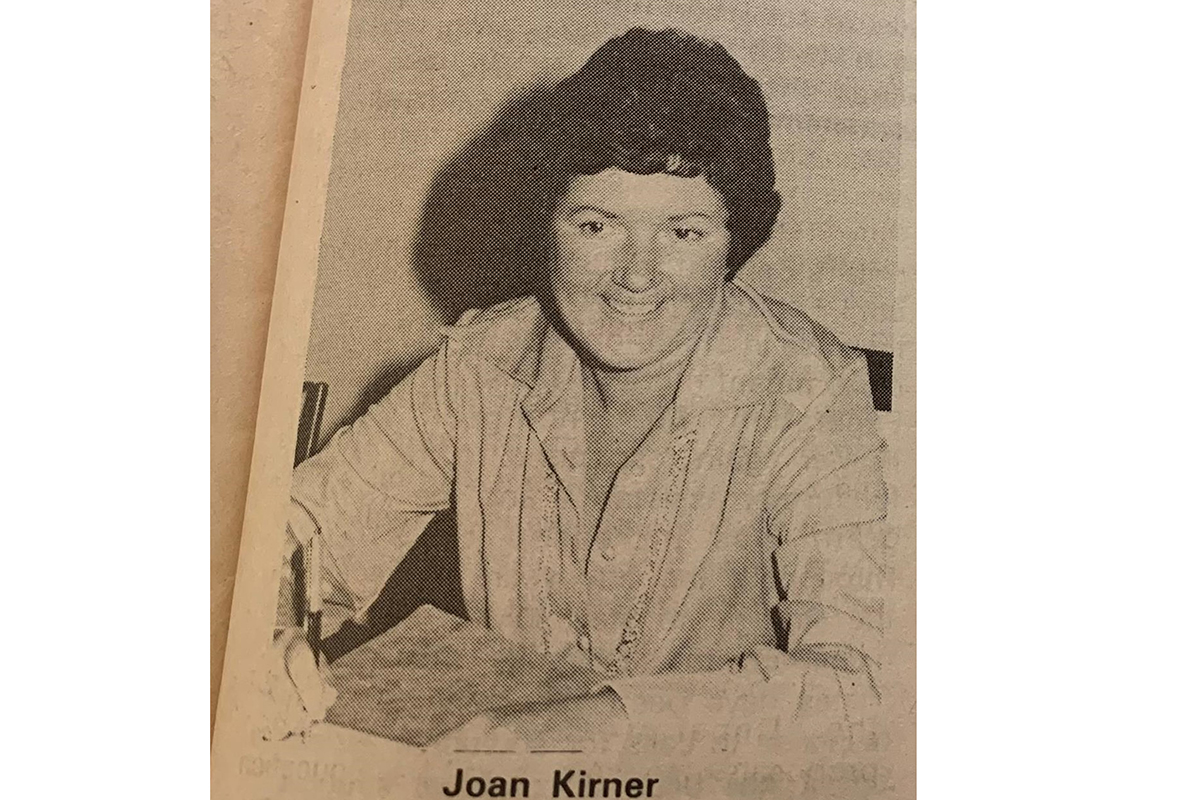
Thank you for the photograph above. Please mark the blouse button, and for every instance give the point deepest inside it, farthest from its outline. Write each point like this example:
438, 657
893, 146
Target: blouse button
608, 554
585, 644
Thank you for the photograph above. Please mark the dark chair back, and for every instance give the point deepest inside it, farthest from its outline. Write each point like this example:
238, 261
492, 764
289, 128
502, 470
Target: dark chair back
308, 433
879, 367
313, 408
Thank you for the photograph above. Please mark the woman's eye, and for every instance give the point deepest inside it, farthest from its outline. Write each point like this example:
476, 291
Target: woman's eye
689, 234
591, 227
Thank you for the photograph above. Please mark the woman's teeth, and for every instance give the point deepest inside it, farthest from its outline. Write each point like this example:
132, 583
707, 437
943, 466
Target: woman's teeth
632, 309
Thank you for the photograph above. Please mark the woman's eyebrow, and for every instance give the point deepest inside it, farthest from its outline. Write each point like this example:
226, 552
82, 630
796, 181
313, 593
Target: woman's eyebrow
693, 215
573, 210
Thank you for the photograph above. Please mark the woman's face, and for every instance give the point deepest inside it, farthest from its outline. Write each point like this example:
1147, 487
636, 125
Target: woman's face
639, 263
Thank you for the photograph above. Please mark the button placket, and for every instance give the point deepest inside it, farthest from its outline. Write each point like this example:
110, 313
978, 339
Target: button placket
571, 582
629, 480
663, 528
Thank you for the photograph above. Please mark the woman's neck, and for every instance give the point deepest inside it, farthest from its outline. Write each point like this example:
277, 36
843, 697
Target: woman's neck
654, 384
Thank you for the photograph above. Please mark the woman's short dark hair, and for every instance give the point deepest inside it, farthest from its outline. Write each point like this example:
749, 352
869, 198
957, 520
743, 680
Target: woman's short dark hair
668, 102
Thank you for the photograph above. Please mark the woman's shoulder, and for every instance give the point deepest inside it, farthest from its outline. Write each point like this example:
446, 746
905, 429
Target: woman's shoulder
791, 337
514, 310
808, 370
505, 333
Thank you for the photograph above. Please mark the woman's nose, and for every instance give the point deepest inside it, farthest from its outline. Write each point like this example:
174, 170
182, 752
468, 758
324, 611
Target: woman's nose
638, 271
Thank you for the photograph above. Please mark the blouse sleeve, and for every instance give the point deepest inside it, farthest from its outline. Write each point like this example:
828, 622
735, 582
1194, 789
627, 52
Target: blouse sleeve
372, 490
826, 508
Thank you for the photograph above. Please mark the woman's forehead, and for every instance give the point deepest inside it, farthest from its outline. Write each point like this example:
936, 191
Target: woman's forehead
618, 193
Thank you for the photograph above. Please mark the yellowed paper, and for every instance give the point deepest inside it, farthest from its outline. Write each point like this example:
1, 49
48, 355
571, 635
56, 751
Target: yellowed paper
257, 69
630, 526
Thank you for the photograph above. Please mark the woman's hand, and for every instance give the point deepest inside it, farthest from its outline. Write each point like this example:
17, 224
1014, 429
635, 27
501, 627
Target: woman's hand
297, 695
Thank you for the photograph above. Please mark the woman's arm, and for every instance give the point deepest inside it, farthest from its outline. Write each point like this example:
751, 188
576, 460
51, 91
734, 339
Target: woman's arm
826, 509
372, 490
367, 496
832, 566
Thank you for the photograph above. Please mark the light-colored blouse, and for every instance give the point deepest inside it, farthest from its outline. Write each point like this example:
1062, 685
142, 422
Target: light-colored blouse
740, 564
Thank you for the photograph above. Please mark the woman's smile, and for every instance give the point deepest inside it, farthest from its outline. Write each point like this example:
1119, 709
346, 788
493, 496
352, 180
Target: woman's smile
639, 263
637, 310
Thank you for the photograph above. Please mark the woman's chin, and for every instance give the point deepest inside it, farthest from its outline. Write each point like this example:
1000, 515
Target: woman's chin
623, 357
613, 342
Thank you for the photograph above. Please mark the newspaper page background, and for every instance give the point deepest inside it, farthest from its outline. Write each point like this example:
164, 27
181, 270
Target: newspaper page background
377, 120
257, 68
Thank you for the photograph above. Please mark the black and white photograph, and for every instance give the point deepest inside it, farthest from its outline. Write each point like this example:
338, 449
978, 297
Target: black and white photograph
594, 440
562, 400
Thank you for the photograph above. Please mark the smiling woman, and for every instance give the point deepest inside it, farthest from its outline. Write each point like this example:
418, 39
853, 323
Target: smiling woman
639, 262
668, 104
658, 474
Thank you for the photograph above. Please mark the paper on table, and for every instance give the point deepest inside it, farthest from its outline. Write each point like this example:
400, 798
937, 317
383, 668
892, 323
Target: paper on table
434, 672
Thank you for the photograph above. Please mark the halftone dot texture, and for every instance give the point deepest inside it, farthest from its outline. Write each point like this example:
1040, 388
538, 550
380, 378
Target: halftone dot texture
422, 80
755, 525
434, 672
744, 538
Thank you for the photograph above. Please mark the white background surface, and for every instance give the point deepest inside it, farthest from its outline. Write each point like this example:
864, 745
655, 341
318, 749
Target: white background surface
1057, 262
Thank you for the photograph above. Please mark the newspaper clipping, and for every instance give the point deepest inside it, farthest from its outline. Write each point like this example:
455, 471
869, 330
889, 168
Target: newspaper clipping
585, 458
